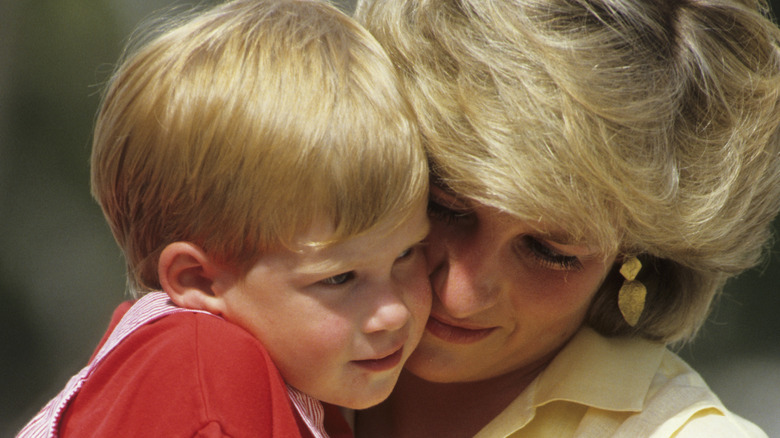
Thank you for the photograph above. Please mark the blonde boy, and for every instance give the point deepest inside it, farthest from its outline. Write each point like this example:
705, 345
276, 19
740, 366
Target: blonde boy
255, 161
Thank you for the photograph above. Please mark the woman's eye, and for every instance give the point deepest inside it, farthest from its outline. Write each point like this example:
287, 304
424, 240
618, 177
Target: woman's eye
437, 211
405, 253
549, 257
338, 279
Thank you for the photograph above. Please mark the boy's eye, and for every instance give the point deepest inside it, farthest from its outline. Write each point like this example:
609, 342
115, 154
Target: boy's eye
547, 256
338, 279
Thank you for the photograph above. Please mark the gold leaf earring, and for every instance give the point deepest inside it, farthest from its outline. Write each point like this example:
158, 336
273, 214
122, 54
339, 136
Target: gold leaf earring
631, 297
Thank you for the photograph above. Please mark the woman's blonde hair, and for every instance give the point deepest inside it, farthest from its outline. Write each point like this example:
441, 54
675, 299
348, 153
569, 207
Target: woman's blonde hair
644, 127
236, 127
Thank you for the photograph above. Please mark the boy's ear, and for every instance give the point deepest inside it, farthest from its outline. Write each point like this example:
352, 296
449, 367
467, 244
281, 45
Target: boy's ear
191, 278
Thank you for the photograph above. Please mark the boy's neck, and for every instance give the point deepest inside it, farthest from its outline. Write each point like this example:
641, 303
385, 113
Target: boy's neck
418, 408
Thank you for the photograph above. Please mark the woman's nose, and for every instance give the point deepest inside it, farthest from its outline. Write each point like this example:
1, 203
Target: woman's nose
462, 279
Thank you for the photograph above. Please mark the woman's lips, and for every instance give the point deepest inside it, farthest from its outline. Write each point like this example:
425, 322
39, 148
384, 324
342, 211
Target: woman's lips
382, 364
456, 334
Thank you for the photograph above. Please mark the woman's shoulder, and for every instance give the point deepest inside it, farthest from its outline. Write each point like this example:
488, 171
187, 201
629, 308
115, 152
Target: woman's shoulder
712, 423
628, 387
687, 407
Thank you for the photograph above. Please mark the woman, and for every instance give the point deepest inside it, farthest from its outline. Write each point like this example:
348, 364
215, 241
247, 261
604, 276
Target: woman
600, 169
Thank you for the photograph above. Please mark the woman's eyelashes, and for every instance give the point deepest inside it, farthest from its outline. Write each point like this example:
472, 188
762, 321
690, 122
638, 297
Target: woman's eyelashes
546, 256
438, 211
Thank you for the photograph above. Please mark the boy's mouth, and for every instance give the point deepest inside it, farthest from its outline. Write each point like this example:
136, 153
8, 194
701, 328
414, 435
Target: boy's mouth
383, 363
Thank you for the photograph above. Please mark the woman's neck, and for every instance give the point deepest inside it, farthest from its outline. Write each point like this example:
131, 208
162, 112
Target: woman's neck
418, 408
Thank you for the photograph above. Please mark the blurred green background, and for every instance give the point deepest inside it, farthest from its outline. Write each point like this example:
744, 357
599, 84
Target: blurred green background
61, 274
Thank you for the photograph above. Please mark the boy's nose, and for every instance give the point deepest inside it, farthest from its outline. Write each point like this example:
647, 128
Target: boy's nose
389, 311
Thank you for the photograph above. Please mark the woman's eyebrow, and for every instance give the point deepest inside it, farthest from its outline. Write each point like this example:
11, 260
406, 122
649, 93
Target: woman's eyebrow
438, 182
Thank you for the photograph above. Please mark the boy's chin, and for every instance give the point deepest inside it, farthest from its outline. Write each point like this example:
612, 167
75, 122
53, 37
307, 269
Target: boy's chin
365, 399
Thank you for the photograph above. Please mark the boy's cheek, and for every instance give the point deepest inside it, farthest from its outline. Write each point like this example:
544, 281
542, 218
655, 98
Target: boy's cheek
420, 289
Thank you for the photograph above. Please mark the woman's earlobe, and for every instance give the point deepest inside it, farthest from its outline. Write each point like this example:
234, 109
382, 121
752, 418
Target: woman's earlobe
188, 275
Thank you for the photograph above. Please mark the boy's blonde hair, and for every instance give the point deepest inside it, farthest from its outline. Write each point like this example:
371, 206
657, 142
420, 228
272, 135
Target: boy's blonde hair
641, 126
237, 127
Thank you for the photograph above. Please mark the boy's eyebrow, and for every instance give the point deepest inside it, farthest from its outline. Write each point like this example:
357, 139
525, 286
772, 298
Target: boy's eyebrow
346, 259
326, 265
332, 260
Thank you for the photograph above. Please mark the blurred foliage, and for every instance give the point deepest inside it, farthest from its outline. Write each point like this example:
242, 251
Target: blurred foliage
60, 271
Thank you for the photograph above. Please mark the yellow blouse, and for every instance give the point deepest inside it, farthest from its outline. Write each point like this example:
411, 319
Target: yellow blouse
616, 387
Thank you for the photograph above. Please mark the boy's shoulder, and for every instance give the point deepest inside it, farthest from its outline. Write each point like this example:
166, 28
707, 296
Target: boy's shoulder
199, 340
187, 335
183, 373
